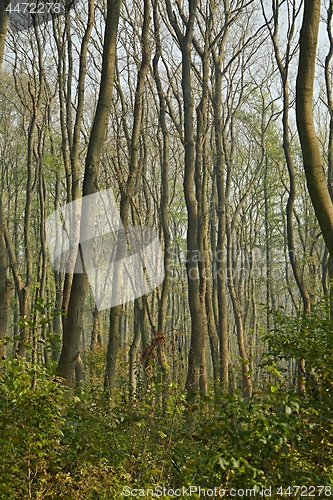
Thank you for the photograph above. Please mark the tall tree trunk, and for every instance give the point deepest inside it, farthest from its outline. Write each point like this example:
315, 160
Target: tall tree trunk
238, 314
201, 186
212, 295
220, 260
57, 323
194, 358
95, 340
4, 18
195, 351
328, 83
73, 324
6, 286
283, 65
313, 165
134, 349
23, 286
162, 311
115, 313
220, 176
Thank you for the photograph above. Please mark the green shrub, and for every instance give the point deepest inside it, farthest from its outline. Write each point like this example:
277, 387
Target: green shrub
30, 420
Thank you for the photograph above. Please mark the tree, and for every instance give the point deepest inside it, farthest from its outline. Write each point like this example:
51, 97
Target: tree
125, 202
313, 166
6, 285
283, 64
4, 18
73, 325
193, 279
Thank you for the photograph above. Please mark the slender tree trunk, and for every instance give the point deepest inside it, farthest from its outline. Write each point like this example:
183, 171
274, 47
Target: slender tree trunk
4, 18
238, 314
201, 185
115, 313
162, 311
313, 165
56, 342
220, 260
43, 270
194, 359
220, 167
283, 66
211, 293
6, 286
73, 324
134, 349
195, 351
23, 286
328, 82
96, 329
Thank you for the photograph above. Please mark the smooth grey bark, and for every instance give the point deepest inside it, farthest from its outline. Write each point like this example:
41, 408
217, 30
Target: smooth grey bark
220, 260
283, 66
164, 207
328, 262
73, 323
134, 350
95, 340
193, 279
4, 18
24, 285
127, 195
6, 286
312, 161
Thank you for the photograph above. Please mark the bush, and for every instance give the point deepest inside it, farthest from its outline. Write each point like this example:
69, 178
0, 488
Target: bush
31, 419
57, 445
277, 440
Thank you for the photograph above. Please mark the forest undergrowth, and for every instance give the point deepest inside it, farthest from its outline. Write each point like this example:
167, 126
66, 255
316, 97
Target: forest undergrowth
57, 443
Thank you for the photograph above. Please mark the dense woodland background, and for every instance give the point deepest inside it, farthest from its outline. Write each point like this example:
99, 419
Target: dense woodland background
187, 110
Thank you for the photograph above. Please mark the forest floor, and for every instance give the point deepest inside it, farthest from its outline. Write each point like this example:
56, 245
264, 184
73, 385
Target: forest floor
58, 445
